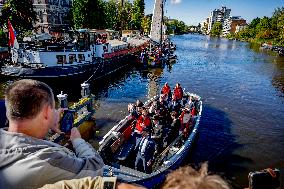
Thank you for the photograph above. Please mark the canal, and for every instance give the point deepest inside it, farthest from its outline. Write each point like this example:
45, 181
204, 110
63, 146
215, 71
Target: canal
242, 87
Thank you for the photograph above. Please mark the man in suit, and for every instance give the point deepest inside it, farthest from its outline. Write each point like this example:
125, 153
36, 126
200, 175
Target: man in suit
146, 149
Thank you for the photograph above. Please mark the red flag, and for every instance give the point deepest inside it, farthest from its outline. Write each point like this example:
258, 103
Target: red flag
12, 34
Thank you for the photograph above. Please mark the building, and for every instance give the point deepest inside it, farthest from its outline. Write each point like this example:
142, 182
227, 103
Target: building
218, 15
240, 28
52, 15
204, 26
234, 24
237, 21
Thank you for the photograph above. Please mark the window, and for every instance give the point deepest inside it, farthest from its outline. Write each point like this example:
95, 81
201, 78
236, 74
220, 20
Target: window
81, 57
72, 58
61, 59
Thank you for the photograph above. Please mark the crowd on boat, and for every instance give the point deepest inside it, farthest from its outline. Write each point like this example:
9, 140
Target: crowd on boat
155, 55
161, 122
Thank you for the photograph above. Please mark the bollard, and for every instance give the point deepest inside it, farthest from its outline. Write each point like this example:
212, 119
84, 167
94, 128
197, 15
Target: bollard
85, 91
62, 100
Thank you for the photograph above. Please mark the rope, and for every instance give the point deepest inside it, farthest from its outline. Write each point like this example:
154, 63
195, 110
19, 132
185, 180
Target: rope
93, 73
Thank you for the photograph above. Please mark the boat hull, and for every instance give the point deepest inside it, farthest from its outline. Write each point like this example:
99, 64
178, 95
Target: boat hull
97, 69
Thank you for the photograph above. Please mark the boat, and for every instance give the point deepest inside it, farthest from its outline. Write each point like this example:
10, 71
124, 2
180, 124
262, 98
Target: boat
117, 149
79, 53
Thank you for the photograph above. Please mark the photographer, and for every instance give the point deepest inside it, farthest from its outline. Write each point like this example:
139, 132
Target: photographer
26, 159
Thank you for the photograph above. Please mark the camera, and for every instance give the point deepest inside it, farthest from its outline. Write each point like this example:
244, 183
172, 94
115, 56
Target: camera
264, 179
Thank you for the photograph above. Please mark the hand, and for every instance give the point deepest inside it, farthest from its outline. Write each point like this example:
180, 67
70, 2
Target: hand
56, 125
75, 134
149, 163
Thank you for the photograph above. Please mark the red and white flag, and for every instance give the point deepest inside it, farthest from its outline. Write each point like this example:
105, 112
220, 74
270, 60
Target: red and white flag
12, 36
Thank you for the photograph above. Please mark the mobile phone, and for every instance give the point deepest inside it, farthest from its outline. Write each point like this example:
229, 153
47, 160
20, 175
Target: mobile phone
67, 121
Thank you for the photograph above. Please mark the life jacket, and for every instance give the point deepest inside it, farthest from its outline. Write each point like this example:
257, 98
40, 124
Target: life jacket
140, 121
178, 93
166, 89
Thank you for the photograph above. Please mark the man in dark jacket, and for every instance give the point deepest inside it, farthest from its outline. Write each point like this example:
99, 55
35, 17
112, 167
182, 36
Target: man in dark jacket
3, 118
146, 149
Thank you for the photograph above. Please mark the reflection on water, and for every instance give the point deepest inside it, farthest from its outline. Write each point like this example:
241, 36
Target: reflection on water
242, 126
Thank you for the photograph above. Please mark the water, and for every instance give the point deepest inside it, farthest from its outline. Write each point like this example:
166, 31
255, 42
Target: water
242, 126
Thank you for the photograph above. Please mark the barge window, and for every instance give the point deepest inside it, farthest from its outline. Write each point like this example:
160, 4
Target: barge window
81, 57
72, 58
61, 59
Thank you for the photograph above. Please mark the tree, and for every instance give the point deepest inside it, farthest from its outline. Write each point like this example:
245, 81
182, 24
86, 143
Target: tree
97, 14
21, 15
216, 29
88, 14
146, 24
3, 38
124, 15
79, 13
280, 26
111, 13
137, 14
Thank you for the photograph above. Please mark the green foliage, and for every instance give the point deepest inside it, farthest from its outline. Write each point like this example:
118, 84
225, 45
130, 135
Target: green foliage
21, 15
137, 14
79, 13
3, 38
88, 14
125, 15
264, 29
111, 14
176, 27
146, 24
216, 29
280, 27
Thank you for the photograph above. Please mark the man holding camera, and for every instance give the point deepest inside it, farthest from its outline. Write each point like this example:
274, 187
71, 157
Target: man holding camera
26, 159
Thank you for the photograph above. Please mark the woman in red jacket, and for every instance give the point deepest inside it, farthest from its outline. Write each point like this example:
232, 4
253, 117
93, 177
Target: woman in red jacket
166, 90
143, 121
178, 93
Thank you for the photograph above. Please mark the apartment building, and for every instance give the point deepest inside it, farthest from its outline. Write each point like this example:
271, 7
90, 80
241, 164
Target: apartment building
52, 15
218, 15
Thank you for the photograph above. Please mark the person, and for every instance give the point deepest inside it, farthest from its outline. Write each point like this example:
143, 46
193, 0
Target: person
175, 127
26, 159
178, 93
146, 149
166, 90
153, 108
139, 107
3, 119
185, 121
157, 132
132, 110
143, 121
189, 178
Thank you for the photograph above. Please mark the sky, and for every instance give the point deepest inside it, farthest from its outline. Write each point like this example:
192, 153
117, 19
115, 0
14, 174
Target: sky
193, 12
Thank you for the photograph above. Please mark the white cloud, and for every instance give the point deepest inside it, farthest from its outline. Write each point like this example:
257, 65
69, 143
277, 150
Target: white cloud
175, 1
